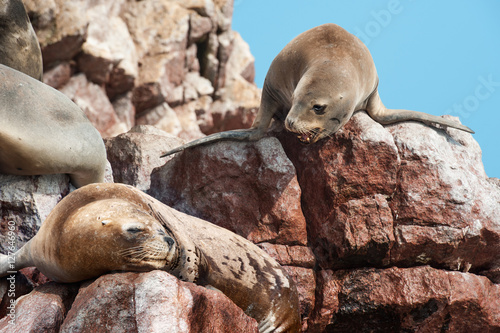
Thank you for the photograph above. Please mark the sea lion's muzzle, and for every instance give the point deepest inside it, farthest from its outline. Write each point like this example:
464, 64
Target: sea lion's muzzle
309, 136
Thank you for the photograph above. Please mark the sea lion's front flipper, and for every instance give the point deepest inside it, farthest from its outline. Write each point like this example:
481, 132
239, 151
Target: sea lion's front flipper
250, 134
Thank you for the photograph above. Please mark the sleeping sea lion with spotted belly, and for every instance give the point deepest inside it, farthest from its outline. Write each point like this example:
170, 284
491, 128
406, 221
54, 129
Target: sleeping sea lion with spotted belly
314, 85
19, 47
101, 228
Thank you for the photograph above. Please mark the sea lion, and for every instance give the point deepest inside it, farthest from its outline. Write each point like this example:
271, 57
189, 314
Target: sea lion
43, 132
314, 85
94, 229
19, 47
83, 239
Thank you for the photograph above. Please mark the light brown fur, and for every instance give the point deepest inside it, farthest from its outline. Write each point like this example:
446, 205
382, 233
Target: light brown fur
86, 235
315, 84
82, 240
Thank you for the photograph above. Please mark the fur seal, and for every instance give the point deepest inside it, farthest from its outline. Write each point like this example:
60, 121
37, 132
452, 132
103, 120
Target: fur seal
19, 47
43, 132
96, 228
314, 85
83, 239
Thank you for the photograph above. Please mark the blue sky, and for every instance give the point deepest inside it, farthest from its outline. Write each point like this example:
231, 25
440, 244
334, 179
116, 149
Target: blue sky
440, 57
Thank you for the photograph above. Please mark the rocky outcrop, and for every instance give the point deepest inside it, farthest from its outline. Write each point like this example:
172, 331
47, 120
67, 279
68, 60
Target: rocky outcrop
383, 229
127, 302
136, 154
173, 64
417, 299
400, 199
406, 195
248, 188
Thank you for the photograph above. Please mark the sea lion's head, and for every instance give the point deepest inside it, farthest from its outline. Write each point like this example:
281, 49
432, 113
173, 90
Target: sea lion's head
115, 235
322, 103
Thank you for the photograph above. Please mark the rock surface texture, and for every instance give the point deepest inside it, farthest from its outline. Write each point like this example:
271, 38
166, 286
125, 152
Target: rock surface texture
173, 64
384, 229
128, 302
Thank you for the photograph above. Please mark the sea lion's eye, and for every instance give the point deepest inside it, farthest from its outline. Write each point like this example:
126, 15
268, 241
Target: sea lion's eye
319, 109
135, 229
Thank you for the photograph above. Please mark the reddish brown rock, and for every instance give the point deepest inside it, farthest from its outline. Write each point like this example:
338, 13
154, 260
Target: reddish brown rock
124, 109
134, 155
147, 96
42, 310
361, 231
447, 212
306, 286
346, 182
161, 47
108, 54
59, 75
327, 301
192, 62
153, 302
225, 116
237, 104
249, 188
420, 299
186, 115
87, 315
34, 276
63, 50
199, 27
61, 28
150, 50
407, 194
92, 99
162, 117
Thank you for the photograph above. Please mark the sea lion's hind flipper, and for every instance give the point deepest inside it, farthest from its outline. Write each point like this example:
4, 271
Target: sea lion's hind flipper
250, 134
4, 265
381, 114
15, 261
394, 116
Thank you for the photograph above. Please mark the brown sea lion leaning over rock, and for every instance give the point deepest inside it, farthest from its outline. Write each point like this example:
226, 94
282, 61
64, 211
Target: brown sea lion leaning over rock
19, 48
43, 132
314, 85
101, 228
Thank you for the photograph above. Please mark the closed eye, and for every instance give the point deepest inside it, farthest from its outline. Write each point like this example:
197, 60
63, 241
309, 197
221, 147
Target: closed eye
135, 229
319, 109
